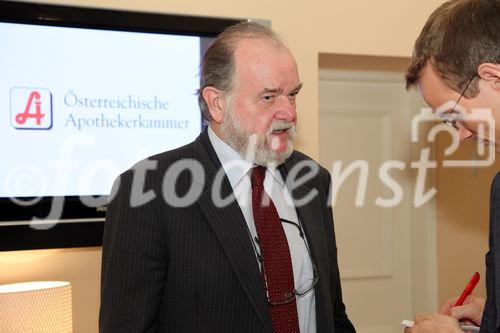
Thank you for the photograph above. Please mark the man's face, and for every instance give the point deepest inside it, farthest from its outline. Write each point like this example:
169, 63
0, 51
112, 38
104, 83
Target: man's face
260, 117
475, 122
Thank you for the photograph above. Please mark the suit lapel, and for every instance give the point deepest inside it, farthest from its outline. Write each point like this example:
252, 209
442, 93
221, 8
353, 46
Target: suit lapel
230, 228
309, 214
310, 217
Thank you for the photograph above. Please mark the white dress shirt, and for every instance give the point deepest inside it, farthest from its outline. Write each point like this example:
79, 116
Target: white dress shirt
237, 171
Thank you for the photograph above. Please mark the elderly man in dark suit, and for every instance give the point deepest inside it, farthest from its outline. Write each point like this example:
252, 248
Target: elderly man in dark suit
457, 58
232, 232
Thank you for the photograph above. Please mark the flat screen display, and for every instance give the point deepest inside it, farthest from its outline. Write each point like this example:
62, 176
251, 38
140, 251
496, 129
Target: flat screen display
84, 94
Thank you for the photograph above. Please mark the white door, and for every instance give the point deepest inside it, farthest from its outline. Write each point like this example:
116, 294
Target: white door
386, 246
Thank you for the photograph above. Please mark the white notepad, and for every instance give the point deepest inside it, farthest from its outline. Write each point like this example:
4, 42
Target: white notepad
467, 328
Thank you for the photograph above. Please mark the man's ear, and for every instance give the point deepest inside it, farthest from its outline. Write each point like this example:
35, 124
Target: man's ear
491, 74
214, 99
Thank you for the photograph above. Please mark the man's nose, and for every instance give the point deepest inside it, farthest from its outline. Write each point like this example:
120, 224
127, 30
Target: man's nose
286, 109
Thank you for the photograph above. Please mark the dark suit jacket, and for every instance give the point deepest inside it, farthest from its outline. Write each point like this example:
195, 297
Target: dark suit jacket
491, 314
193, 269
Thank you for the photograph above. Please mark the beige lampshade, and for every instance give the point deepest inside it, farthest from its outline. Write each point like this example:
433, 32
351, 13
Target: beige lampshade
36, 307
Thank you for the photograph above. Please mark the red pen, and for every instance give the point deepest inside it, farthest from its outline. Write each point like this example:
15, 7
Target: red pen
468, 289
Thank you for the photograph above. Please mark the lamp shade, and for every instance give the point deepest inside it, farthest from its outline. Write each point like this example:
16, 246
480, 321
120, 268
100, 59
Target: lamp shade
36, 307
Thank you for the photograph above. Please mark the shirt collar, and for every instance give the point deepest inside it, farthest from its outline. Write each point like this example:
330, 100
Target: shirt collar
276, 175
234, 165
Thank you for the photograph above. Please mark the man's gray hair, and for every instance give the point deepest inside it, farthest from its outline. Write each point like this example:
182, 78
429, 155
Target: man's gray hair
217, 67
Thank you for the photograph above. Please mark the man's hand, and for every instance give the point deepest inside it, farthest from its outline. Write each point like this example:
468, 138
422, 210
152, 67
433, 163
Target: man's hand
434, 323
471, 311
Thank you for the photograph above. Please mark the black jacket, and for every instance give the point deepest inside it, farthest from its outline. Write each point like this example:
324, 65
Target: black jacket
193, 269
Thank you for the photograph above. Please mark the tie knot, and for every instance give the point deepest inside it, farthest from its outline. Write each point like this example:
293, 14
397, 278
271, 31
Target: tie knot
257, 175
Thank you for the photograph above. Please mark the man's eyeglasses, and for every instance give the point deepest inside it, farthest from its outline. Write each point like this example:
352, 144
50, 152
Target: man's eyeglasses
300, 291
452, 118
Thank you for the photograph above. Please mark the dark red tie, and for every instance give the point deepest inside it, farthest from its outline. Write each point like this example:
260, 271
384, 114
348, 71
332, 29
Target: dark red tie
277, 263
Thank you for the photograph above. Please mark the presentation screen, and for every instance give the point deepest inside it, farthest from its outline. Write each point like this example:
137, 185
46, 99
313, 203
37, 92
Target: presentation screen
82, 105
86, 93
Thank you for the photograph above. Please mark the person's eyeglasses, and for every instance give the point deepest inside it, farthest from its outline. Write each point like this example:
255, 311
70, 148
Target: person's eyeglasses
300, 291
452, 118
